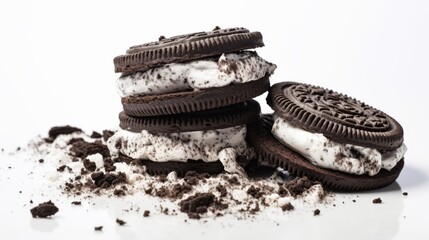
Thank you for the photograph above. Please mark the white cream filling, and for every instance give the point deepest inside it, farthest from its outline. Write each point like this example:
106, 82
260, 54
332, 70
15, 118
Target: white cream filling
230, 68
326, 153
210, 146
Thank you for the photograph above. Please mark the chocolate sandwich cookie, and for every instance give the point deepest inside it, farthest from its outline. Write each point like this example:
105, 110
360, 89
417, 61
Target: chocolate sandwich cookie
329, 137
192, 72
209, 141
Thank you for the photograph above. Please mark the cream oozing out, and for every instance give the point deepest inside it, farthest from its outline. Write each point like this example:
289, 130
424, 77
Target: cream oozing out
326, 153
229, 68
210, 146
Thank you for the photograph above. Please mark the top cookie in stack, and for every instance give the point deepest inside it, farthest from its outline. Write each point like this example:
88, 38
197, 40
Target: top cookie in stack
192, 72
188, 99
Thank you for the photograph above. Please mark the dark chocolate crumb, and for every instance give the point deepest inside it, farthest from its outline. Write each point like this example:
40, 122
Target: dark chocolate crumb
82, 149
298, 185
108, 164
216, 28
63, 167
107, 134
353, 200
287, 207
376, 201
255, 209
120, 222
196, 204
99, 228
119, 192
41, 160
282, 191
193, 215
56, 131
76, 203
222, 190
233, 180
109, 179
148, 191
165, 211
31, 201
146, 213
44, 210
254, 192
405, 193
316, 212
162, 192
162, 37
95, 135
90, 166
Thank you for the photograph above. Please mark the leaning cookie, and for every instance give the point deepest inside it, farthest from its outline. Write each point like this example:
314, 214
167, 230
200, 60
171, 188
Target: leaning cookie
329, 137
209, 141
192, 72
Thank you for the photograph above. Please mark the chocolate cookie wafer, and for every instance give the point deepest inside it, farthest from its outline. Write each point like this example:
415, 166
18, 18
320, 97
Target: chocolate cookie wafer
329, 137
192, 72
209, 141
187, 47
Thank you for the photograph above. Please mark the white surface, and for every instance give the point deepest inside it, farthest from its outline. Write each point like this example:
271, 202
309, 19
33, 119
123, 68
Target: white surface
56, 68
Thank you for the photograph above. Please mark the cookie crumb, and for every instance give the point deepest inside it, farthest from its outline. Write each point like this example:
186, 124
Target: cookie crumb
107, 134
405, 193
41, 160
54, 132
377, 201
287, 207
316, 212
120, 222
44, 210
146, 213
99, 228
162, 37
76, 203
95, 135
196, 204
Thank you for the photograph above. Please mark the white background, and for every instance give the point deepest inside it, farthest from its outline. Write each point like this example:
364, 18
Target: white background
56, 62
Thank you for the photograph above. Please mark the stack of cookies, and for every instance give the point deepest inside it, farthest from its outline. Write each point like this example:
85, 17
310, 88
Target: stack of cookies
188, 107
188, 99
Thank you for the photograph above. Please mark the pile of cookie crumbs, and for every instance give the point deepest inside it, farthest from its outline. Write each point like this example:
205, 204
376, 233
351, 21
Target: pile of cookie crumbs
80, 165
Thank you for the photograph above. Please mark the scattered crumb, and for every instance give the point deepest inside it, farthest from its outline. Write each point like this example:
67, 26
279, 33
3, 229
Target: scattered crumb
287, 207
44, 210
376, 201
96, 135
146, 213
99, 228
405, 193
316, 212
120, 222
41, 160
76, 203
